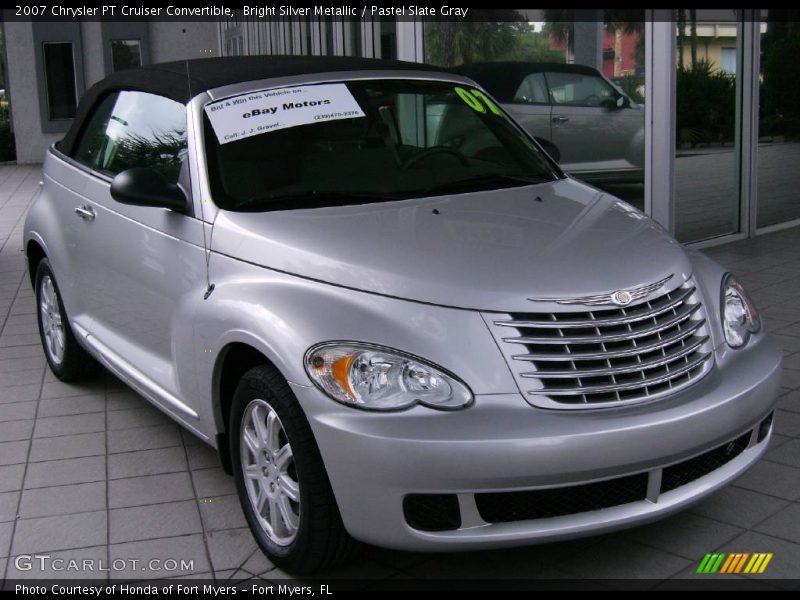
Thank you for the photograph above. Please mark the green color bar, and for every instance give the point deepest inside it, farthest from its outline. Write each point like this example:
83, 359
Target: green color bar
702, 567
718, 564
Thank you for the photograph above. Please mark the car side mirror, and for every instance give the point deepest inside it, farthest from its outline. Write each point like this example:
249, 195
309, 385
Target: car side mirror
143, 186
623, 102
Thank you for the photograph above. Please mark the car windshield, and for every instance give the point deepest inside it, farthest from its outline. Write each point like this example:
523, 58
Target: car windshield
363, 141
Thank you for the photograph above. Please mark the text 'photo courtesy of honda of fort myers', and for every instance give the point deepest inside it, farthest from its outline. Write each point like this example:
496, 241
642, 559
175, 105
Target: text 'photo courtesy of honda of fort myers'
388, 308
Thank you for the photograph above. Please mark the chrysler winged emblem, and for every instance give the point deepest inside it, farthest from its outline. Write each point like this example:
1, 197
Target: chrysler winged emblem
622, 297
618, 298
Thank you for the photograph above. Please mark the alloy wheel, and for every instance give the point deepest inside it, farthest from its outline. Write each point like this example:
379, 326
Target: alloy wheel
52, 324
270, 474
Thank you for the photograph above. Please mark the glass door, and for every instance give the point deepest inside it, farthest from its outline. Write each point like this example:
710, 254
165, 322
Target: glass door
708, 90
778, 177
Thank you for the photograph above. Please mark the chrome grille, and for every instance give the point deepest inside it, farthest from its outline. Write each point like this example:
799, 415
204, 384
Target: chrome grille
608, 356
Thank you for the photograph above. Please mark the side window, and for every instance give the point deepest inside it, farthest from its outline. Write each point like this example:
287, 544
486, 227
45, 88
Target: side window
532, 90
578, 89
134, 129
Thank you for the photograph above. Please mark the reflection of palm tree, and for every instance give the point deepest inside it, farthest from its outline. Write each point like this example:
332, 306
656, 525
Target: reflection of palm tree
629, 21
471, 41
680, 18
163, 151
558, 24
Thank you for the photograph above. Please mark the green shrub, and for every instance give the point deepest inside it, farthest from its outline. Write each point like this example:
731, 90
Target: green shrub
780, 89
7, 151
705, 106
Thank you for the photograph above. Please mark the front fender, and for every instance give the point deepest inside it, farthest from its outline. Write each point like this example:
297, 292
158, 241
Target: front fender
283, 315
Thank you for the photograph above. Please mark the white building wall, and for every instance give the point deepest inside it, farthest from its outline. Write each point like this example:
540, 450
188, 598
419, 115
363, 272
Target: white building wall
24, 95
178, 41
92, 42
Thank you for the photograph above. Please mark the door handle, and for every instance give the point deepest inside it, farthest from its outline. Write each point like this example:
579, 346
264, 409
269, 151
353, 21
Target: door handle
560, 119
85, 212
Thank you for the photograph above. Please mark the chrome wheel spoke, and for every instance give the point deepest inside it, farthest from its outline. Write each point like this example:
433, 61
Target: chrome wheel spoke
52, 339
275, 519
261, 498
289, 488
59, 341
259, 416
283, 457
290, 520
253, 472
250, 441
273, 431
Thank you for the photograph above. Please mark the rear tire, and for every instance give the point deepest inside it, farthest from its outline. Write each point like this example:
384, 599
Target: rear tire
280, 477
67, 359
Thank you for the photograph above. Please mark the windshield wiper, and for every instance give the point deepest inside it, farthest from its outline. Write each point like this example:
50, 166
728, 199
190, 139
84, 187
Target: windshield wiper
311, 199
479, 182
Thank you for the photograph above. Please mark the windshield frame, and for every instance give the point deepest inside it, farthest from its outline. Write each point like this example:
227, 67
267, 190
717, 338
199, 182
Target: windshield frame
196, 112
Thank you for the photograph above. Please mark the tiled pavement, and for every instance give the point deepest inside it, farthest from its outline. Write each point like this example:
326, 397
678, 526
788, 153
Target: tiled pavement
92, 471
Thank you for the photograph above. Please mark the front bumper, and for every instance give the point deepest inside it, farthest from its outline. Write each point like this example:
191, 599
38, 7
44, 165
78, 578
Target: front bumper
502, 444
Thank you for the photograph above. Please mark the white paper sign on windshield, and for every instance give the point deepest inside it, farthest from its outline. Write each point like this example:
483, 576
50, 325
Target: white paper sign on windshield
255, 113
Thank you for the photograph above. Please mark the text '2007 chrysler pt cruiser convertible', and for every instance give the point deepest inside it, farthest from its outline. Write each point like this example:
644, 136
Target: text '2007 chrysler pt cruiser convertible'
390, 311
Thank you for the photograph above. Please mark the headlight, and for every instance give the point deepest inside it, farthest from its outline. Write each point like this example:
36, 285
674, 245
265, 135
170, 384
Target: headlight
376, 378
739, 315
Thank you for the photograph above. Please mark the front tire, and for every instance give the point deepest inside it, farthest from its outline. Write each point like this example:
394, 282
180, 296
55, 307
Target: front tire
67, 359
282, 483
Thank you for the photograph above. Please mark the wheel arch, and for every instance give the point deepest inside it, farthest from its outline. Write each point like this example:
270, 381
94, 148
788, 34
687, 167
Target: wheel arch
233, 361
34, 253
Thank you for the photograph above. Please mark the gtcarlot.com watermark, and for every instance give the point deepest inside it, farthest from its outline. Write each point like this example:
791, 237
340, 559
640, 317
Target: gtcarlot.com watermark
44, 562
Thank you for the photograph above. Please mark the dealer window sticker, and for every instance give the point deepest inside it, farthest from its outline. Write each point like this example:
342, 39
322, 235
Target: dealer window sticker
255, 113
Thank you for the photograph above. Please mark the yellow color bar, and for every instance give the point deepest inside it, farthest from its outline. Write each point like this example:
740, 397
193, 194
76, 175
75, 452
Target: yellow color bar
765, 563
759, 562
754, 562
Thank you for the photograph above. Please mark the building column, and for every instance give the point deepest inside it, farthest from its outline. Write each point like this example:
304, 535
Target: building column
660, 79
409, 41
588, 42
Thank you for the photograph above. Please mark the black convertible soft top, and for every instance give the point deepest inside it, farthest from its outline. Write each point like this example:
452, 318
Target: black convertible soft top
170, 79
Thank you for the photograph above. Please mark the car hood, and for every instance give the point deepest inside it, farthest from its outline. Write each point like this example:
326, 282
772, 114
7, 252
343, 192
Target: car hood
489, 250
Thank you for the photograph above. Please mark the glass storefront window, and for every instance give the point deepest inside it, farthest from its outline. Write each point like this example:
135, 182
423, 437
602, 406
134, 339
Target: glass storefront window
779, 122
126, 54
574, 79
706, 185
59, 72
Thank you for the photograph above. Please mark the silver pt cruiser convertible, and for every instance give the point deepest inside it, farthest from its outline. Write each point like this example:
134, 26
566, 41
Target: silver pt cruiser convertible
390, 311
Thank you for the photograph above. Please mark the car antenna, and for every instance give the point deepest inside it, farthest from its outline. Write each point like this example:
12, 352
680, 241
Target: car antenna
206, 250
